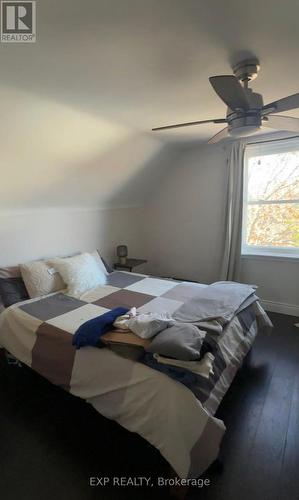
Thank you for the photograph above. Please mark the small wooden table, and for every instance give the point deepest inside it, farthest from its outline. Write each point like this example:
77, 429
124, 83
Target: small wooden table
130, 263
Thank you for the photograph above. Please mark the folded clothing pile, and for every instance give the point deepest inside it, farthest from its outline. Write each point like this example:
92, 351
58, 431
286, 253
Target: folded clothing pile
172, 340
168, 337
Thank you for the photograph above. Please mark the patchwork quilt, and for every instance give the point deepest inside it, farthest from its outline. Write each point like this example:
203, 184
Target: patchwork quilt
39, 333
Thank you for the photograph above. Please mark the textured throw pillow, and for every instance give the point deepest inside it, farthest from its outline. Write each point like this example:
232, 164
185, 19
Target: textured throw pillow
80, 273
40, 278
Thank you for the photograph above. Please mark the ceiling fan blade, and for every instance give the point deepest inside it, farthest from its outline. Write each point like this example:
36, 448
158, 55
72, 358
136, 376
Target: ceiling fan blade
189, 124
284, 104
230, 91
219, 136
280, 122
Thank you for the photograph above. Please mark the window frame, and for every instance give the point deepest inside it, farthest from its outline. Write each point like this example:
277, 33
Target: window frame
264, 149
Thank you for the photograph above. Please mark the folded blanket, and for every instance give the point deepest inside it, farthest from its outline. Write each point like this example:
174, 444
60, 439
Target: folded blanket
91, 331
218, 302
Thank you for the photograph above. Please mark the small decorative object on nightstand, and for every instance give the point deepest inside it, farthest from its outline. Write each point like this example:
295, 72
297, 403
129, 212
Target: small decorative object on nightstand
129, 264
122, 253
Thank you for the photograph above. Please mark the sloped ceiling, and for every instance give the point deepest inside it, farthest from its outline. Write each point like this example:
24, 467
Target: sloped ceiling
77, 106
54, 155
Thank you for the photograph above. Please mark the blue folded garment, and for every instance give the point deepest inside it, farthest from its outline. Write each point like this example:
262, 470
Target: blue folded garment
90, 332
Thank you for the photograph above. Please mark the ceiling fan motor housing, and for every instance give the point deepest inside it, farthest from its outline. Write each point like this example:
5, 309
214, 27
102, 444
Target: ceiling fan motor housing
247, 70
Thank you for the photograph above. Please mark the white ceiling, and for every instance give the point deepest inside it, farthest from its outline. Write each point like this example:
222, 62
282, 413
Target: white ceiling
104, 72
146, 62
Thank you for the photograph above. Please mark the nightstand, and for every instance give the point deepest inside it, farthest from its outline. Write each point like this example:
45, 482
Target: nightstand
130, 263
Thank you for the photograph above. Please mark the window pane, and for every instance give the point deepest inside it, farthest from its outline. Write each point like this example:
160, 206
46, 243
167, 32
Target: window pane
274, 225
274, 177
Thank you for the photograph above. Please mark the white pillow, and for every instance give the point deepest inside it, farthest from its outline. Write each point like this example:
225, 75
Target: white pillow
40, 278
80, 273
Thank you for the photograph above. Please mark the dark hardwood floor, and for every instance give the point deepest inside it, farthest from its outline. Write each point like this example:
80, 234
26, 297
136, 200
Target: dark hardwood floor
51, 442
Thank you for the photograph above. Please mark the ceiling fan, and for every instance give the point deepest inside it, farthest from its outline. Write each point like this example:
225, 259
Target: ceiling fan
246, 112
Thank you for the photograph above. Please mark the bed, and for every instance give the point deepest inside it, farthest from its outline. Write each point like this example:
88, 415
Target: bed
165, 412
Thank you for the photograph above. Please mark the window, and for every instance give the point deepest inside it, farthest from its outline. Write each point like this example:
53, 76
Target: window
271, 199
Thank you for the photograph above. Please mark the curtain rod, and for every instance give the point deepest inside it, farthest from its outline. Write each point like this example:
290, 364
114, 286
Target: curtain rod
273, 140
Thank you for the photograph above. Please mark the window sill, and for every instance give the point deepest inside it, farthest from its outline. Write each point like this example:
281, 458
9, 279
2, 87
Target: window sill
270, 256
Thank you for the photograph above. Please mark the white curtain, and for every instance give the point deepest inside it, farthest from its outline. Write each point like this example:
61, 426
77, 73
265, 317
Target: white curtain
231, 261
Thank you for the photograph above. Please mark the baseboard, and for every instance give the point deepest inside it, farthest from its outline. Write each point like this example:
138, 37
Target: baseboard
280, 307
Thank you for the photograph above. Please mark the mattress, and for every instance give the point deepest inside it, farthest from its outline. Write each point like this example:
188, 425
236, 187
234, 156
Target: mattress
39, 333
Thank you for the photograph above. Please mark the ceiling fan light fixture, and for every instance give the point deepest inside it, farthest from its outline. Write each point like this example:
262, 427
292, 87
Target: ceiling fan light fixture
243, 131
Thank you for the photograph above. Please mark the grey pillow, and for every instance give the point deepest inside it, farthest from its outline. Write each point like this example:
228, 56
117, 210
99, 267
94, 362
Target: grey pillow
107, 266
12, 290
181, 341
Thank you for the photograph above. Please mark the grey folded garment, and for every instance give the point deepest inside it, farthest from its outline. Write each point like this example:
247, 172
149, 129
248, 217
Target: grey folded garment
218, 302
180, 341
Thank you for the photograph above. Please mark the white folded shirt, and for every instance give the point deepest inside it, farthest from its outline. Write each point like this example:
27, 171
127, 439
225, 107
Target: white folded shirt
145, 325
202, 367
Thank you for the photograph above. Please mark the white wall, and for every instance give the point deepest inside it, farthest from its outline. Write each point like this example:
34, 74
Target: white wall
35, 234
59, 166
278, 281
185, 218
185, 221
